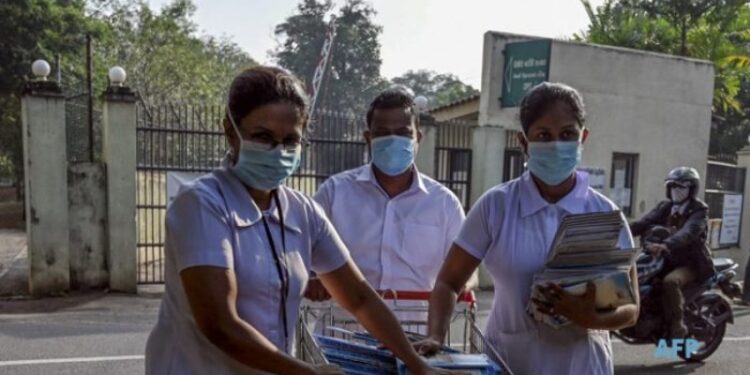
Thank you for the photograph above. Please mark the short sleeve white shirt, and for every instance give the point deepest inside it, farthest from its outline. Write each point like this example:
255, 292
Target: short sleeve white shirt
511, 228
398, 243
213, 222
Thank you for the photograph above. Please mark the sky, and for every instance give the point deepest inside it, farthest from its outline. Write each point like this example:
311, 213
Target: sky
440, 35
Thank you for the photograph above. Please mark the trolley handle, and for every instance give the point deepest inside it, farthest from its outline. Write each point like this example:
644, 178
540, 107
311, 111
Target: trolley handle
466, 296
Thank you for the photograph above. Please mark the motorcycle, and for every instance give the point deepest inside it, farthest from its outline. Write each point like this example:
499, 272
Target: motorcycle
706, 312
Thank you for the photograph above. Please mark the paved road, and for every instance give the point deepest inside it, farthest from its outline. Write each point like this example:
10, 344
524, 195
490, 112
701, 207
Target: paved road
105, 334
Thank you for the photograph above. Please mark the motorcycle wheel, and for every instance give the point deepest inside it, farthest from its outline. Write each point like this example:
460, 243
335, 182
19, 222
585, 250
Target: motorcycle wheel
709, 345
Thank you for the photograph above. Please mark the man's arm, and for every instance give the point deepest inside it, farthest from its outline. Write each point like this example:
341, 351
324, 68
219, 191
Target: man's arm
654, 217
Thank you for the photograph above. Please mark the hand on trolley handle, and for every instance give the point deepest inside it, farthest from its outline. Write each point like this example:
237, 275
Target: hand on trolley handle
318, 293
428, 346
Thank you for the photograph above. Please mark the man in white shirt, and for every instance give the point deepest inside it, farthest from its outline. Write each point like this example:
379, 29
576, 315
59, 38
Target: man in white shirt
397, 223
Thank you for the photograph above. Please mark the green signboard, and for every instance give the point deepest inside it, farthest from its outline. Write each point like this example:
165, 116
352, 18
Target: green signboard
526, 65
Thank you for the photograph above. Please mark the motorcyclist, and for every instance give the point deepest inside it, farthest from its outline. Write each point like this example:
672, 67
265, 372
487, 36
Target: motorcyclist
687, 257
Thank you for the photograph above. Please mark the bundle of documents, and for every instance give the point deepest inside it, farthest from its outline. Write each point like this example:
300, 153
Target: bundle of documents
361, 354
585, 249
474, 364
357, 358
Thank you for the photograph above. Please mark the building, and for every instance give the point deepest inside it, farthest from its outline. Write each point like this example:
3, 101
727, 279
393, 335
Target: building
647, 113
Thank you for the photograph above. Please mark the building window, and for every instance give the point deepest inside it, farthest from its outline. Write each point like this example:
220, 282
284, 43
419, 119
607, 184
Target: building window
623, 180
454, 171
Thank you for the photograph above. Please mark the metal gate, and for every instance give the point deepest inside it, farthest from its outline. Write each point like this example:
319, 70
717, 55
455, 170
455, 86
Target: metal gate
453, 158
183, 141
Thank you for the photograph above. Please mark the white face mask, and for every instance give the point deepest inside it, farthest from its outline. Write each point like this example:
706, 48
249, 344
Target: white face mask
679, 194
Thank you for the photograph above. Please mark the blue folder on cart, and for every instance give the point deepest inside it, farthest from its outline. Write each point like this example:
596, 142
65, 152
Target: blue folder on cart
362, 355
474, 364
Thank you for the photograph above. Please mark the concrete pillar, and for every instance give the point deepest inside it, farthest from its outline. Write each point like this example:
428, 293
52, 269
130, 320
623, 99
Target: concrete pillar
87, 212
119, 156
741, 255
425, 159
488, 150
46, 185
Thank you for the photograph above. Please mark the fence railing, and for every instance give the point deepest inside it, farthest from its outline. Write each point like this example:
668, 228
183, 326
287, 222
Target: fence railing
185, 138
181, 138
453, 158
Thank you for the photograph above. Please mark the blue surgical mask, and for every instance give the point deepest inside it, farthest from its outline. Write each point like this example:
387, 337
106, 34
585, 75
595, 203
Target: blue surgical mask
553, 162
393, 154
261, 168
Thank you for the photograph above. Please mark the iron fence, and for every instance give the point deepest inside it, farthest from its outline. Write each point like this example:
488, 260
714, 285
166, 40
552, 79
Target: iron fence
188, 140
77, 126
170, 138
183, 141
453, 158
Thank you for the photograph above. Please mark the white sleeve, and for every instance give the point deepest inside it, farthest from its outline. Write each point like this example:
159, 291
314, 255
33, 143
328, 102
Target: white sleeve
477, 231
455, 221
198, 232
328, 251
324, 196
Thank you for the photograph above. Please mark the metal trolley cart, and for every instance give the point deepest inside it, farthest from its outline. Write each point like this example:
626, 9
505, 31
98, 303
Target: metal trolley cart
411, 307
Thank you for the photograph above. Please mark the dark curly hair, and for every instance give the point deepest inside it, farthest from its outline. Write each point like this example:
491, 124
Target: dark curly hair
543, 96
261, 85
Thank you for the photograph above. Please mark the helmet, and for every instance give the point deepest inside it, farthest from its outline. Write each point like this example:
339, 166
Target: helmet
683, 177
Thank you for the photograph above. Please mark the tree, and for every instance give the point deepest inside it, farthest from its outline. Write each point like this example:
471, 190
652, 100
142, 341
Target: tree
614, 23
165, 59
31, 30
713, 30
440, 89
684, 15
717, 30
353, 76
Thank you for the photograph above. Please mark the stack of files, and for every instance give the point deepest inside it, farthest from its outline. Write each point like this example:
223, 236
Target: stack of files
473, 364
356, 358
585, 248
361, 354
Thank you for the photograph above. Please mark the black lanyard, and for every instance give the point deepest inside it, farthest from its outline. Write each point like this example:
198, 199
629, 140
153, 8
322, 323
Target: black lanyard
282, 270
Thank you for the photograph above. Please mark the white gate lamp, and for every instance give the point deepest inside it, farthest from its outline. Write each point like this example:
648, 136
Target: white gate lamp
421, 102
40, 69
117, 76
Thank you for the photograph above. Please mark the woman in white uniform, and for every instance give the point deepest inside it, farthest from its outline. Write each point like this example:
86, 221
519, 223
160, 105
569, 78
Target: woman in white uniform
511, 228
240, 245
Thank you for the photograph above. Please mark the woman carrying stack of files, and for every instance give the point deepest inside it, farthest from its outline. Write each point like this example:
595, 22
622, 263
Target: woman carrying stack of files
512, 228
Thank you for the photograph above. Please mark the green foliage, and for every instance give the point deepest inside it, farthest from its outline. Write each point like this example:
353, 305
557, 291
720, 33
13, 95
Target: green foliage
164, 57
353, 76
715, 30
614, 24
31, 30
440, 89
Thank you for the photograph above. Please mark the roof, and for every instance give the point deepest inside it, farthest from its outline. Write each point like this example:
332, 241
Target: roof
604, 47
455, 103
